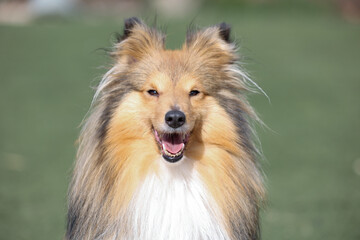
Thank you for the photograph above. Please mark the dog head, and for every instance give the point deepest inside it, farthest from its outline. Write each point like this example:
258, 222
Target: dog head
182, 98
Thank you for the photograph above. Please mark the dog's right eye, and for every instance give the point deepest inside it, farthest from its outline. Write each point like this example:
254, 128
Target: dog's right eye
193, 93
153, 92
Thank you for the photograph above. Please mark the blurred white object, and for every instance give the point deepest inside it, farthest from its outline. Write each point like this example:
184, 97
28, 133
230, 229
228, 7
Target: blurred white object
12, 12
46, 7
176, 8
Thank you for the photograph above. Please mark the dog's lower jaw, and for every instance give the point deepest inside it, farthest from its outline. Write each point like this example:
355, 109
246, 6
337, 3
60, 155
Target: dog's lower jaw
172, 159
173, 204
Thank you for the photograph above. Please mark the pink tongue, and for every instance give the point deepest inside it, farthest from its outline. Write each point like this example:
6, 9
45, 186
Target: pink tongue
173, 148
173, 143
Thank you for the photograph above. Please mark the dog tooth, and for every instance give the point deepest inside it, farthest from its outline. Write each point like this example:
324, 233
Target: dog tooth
173, 155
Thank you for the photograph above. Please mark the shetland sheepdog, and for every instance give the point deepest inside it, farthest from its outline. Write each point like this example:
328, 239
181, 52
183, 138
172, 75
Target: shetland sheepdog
167, 151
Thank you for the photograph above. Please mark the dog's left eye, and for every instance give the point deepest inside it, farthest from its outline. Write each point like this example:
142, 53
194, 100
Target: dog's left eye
193, 93
153, 92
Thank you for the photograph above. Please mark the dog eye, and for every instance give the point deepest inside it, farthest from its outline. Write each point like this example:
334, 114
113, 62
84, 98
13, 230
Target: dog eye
153, 92
193, 93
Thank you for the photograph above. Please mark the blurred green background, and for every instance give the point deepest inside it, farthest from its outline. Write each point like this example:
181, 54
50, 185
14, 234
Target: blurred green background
305, 55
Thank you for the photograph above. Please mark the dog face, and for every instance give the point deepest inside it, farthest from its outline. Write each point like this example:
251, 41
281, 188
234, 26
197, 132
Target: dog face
175, 100
170, 102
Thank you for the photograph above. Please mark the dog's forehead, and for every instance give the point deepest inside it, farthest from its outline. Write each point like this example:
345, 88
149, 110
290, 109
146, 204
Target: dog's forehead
169, 69
167, 80
174, 63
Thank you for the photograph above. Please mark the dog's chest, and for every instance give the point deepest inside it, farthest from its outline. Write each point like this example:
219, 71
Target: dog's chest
174, 204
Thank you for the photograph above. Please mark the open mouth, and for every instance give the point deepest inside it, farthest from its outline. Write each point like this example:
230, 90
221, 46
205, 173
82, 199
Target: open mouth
172, 145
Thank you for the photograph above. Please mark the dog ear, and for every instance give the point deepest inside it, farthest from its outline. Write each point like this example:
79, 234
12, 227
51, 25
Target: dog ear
224, 31
212, 44
129, 25
137, 41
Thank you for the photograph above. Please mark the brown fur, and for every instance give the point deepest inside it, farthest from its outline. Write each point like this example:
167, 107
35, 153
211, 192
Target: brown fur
109, 165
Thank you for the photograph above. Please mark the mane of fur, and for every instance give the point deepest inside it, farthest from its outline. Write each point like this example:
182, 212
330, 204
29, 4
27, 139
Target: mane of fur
100, 190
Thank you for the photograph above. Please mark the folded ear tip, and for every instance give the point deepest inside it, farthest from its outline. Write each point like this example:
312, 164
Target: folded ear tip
129, 25
224, 31
130, 22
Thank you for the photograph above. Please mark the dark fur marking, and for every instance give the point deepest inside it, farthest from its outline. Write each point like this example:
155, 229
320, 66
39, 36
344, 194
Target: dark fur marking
242, 124
105, 117
76, 225
112, 102
224, 31
72, 219
242, 233
128, 26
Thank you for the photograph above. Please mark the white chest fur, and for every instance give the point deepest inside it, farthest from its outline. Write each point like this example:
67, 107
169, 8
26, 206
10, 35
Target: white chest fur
174, 204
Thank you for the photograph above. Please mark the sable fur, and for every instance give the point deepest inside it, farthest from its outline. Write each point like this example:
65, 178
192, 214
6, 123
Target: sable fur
118, 153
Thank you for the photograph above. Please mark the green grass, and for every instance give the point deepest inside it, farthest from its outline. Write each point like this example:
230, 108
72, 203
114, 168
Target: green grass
307, 62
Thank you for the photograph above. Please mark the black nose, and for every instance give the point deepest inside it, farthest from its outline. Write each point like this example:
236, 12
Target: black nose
175, 118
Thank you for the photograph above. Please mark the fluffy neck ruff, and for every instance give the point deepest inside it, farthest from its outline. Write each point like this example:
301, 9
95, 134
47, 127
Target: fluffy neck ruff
173, 204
